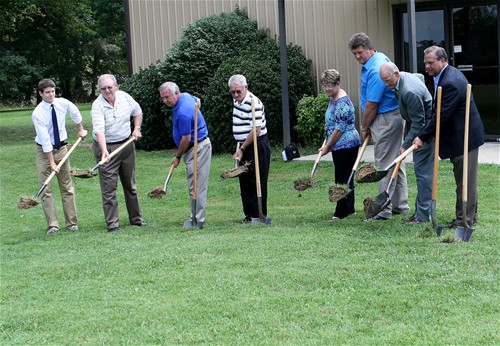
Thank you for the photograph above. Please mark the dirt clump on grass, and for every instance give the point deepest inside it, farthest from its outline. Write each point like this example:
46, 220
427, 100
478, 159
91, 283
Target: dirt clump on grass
336, 193
448, 239
156, 193
302, 184
26, 203
367, 204
364, 171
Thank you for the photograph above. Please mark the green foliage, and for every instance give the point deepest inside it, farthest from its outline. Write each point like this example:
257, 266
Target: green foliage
156, 124
311, 119
201, 63
71, 41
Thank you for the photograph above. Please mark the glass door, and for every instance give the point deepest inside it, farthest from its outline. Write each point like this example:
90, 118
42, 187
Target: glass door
475, 52
469, 33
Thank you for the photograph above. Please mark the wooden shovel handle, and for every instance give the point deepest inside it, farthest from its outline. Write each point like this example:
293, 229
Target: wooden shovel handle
65, 157
116, 151
360, 153
436, 147
195, 148
256, 154
466, 146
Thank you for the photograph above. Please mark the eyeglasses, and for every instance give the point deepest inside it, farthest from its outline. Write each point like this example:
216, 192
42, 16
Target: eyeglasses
330, 86
236, 92
107, 88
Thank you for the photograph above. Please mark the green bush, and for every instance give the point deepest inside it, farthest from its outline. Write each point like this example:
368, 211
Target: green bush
201, 62
260, 65
311, 119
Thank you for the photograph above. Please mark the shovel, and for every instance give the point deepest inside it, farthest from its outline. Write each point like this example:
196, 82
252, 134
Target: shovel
318, 158
379, 175
361, 151
436, 227
195, 168
170, 171
116, 151
383, 199
262, 218
465, 232
65, 157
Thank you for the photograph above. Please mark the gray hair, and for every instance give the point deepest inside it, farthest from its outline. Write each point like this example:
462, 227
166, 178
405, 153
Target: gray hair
171, 86
237, 79
439, 51
330, 77
107, 76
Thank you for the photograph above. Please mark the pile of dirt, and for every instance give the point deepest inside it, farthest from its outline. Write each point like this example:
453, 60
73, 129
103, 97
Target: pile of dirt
336, 193
364, 171
82, 173
232, 173
156, 193
302, 184
26, 203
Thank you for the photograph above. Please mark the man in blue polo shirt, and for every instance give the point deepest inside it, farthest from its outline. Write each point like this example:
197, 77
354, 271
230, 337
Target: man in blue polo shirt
183, 105
382, 121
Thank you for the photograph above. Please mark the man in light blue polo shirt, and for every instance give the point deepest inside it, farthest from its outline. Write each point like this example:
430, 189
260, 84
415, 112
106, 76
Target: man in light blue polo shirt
382, 121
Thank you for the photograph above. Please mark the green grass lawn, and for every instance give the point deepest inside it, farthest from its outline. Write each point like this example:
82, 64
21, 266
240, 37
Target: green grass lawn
300, 281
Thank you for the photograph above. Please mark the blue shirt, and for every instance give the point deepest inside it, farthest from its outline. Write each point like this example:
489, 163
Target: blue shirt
340, 115
183, 120
373, 88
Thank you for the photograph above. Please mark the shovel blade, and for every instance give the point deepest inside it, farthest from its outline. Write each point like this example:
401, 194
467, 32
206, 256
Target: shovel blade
464, 233
437, 228
379, 204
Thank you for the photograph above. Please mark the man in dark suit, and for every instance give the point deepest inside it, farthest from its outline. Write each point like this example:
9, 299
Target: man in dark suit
454, 85
415, 106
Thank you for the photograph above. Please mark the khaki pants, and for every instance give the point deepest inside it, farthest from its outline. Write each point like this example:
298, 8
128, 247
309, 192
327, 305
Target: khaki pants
66, 187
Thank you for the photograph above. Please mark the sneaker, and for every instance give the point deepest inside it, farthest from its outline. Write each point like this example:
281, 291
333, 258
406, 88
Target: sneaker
52, 230
73, 228
376, 218
413, 221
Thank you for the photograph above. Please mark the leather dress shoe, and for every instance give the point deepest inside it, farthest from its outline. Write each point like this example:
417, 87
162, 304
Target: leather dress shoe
413, 221
114, 229
141, 223
376, 218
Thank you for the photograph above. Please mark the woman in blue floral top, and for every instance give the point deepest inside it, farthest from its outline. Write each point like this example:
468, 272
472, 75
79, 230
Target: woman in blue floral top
342, 138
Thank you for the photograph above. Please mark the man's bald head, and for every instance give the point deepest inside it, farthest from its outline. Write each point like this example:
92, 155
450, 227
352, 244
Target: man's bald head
389, 73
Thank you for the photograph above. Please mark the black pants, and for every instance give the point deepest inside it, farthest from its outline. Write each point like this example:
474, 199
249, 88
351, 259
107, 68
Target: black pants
248, 185
343, 160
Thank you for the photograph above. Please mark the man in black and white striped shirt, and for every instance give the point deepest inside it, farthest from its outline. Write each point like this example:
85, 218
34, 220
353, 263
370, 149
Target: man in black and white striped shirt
243, 133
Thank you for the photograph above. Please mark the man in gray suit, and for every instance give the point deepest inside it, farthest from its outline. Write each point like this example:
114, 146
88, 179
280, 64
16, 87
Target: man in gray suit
415, 105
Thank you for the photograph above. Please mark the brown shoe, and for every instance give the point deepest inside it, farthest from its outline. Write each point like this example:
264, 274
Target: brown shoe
413, 221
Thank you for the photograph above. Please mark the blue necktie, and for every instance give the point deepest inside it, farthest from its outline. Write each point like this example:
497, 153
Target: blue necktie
57, 140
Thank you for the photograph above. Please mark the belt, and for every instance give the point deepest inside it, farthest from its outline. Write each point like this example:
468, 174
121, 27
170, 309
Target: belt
119, 142
63, 143
192, 144
258, 138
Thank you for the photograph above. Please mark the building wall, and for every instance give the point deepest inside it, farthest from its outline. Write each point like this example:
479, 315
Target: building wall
321, 27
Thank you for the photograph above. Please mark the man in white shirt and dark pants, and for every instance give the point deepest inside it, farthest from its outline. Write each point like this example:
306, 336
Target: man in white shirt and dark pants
49, 118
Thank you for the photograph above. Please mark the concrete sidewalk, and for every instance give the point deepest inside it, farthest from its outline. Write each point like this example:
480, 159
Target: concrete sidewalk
489, 152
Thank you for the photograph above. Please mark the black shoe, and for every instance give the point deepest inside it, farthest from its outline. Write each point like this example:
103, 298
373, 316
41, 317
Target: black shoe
114, 229
376, 218
247, 219
413, 221
140, 223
